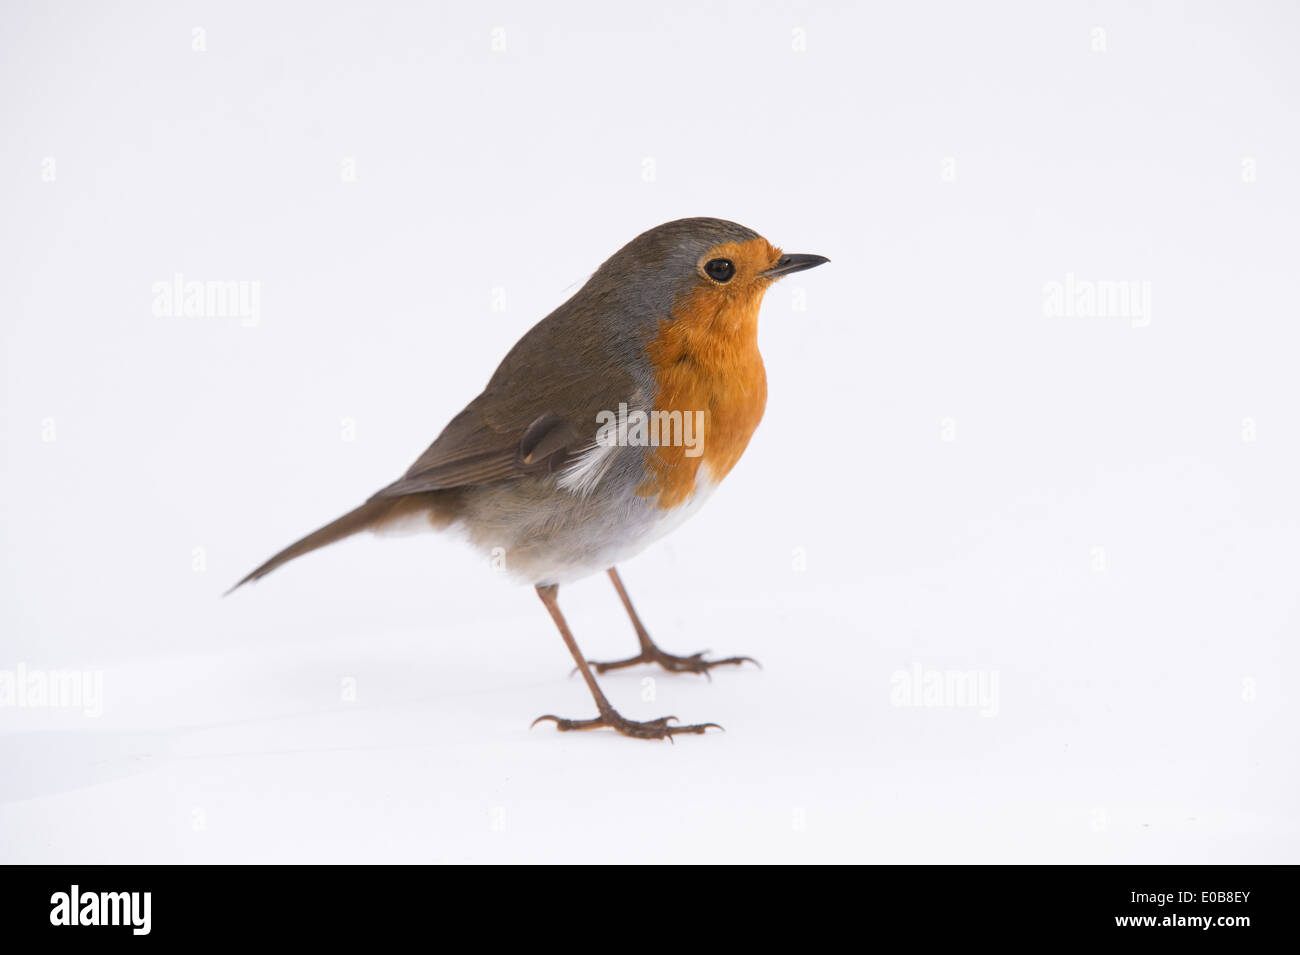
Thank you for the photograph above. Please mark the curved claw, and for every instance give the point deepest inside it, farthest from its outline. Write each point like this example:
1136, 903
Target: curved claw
695, 663
548, 716
697, 729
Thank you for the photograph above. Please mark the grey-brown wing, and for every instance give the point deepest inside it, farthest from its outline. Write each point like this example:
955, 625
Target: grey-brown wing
472, 450
541, 403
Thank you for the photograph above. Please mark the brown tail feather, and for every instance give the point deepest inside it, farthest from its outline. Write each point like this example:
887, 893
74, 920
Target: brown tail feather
370, 515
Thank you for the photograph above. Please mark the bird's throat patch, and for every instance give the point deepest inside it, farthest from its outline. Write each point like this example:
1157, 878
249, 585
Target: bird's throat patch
706, 359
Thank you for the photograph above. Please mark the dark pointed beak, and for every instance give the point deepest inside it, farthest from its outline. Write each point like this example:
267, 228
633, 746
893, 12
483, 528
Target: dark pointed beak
793, 263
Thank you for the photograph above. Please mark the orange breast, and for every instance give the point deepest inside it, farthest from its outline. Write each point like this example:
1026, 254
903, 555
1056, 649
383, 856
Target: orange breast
706, 359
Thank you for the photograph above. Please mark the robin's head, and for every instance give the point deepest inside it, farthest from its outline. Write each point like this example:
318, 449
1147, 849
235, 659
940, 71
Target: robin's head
705, 266
680, 304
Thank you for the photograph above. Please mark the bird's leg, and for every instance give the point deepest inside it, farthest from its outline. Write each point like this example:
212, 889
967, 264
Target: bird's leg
654, 729
650, 653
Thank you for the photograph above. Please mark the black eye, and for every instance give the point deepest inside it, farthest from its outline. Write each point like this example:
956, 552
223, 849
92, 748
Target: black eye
720, 270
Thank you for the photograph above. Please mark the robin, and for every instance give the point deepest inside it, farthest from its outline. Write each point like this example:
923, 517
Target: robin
606, 426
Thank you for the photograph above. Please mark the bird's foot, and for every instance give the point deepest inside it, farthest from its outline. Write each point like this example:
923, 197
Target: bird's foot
651, 729
695, 663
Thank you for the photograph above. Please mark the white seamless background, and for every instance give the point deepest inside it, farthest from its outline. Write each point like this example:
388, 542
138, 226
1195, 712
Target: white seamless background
1092, 517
